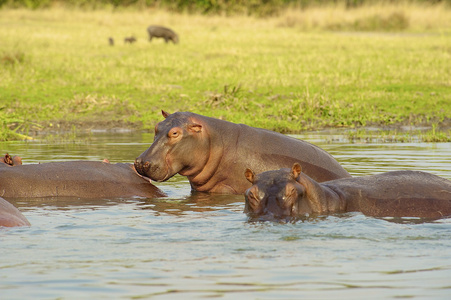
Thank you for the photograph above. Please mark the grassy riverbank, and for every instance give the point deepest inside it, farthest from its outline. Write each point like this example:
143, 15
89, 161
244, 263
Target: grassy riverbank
302, 70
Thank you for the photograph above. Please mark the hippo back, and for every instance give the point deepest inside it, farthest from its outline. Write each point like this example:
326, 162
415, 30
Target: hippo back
396, 194
83, 179
263, 150
10, 216
278, 150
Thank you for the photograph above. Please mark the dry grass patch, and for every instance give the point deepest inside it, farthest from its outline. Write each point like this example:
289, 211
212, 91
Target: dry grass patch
397, 16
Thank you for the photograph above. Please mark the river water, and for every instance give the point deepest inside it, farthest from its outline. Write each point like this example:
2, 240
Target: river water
190, 246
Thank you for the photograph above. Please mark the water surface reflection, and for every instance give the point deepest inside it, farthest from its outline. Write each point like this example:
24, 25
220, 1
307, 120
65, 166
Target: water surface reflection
200, 245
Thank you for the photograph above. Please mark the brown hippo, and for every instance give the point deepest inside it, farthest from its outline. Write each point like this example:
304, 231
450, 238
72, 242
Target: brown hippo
290, 193
82, 179
213, 153
10, 216
162, 32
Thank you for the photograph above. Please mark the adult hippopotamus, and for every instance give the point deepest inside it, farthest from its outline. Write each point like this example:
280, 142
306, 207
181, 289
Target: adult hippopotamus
10, 216
213, 153
83, 179
290, 193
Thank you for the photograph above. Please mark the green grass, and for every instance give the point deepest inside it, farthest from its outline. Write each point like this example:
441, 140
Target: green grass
398, 136
57, 70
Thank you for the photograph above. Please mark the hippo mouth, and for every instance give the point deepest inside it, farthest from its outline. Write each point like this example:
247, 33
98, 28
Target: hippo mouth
167, 166
157, 170
148, 170
257, 218
139, 174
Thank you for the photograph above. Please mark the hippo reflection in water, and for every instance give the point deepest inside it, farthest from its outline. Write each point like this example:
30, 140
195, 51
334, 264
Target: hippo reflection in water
290, 193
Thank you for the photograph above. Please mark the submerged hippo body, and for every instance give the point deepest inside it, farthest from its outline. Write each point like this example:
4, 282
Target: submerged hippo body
162, 32
291, 193
213, 154
83, 179
10, 216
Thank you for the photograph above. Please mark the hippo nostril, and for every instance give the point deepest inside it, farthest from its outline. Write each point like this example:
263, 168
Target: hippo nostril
137, 163
146, 165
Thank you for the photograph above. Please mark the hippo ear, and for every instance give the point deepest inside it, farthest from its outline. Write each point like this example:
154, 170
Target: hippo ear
195, 127
165, 114
250, 175
296, 170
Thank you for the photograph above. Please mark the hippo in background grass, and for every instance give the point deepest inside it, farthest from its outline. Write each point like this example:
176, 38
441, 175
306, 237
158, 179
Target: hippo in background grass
162, 32
10, 216
291, 193
213, 153
82, 179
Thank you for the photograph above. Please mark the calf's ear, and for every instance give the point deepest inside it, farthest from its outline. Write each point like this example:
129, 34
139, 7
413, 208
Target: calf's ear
296, 170
250, 175
165, 114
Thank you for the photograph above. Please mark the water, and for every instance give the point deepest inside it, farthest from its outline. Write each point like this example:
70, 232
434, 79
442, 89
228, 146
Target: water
190, 246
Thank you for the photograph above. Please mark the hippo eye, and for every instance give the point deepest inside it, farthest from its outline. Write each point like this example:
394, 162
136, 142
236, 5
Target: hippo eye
290, 193
251, 202
174, 133
253, 199
250, 194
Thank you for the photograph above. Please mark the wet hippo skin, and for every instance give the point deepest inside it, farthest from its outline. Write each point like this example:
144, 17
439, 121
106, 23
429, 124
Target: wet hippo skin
213, 153
83, 179
10, 216
290, 192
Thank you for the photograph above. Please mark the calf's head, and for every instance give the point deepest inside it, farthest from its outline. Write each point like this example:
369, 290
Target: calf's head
180, 146
276, 194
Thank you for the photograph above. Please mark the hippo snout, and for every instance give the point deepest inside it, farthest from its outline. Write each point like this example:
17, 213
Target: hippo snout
142, 167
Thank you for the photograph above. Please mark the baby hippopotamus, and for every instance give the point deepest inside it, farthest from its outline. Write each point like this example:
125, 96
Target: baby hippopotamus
290, 193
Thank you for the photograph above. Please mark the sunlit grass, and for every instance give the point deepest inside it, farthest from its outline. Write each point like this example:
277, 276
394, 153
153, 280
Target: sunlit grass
398, 15
398, 136
56, 67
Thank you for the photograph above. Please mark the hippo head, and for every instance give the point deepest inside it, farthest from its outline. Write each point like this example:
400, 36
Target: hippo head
275, 194
179, 146
11, 160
